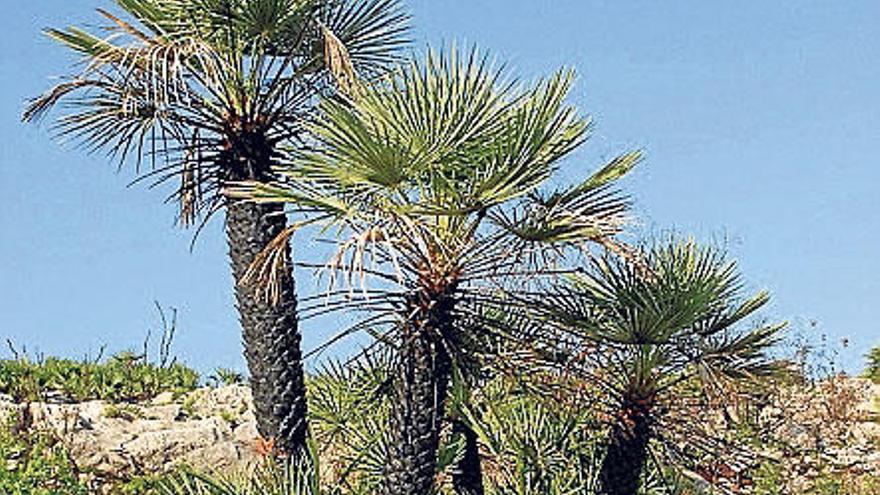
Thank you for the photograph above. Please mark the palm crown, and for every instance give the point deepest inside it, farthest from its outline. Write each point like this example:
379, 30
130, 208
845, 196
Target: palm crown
672, 316
212, 87
646, 332
440, 166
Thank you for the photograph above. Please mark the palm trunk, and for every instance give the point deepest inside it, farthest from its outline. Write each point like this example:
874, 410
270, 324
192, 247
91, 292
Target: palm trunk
467, 477
419, 391
627, 452
270, 330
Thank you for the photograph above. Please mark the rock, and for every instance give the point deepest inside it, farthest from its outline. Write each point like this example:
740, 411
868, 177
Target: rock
152, 437
167, 447
235, 399
162, 399
171, 412
246, 433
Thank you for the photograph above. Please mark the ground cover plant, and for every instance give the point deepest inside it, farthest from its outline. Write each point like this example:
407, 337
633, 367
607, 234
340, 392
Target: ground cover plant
37, 463
124, 377
127, 376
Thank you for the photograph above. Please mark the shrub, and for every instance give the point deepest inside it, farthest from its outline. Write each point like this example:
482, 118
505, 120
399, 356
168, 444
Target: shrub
121, 378
35, 465
873, 369
224, 377
125, 412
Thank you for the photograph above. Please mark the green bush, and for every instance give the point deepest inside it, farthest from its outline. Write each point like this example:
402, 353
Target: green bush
873, 369
143, 485
121, 378
35, 465
224, 377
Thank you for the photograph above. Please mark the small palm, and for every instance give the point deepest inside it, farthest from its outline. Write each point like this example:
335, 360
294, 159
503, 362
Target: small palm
646, 331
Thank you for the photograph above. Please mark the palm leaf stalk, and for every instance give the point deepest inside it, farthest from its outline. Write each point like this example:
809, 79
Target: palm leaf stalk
207, 93
643, 331
434, 178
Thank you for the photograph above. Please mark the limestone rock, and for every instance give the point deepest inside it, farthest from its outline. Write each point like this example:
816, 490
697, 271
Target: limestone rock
216, 430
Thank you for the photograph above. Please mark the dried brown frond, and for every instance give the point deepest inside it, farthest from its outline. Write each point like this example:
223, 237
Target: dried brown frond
269, 268
189, 195
37, 107
128, 28
338, 62
627, 253
265, 447
356, 249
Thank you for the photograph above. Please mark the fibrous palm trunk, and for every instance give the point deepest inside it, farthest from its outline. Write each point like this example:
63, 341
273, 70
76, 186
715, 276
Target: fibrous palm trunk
269, 329
467, 477
419, 391
627, 452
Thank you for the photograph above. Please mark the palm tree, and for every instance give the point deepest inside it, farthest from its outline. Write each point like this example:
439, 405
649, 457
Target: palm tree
647, 334
206, 92
435, 175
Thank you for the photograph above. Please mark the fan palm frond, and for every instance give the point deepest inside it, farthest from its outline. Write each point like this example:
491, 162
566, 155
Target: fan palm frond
182, 81
285, 478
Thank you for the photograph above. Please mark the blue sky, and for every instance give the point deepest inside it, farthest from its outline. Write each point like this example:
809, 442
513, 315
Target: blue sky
759, 120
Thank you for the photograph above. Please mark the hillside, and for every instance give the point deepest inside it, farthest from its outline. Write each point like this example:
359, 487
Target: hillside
825, 435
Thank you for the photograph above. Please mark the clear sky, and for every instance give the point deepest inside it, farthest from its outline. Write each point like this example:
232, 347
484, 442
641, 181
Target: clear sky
760, 121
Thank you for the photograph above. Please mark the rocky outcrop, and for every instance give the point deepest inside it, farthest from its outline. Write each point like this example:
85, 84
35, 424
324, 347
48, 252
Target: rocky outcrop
831, 428
208, 429
833, 425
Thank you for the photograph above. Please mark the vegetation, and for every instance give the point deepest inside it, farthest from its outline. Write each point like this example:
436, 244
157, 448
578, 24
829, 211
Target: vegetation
207, 92
872, 370
433, 176
124, 377
542, 432
226, 377
286, 478
642, 330
520, 347
35, 465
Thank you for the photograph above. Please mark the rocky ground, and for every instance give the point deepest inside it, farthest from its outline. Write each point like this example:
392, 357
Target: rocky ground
828, 431
211, 428
836, 423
